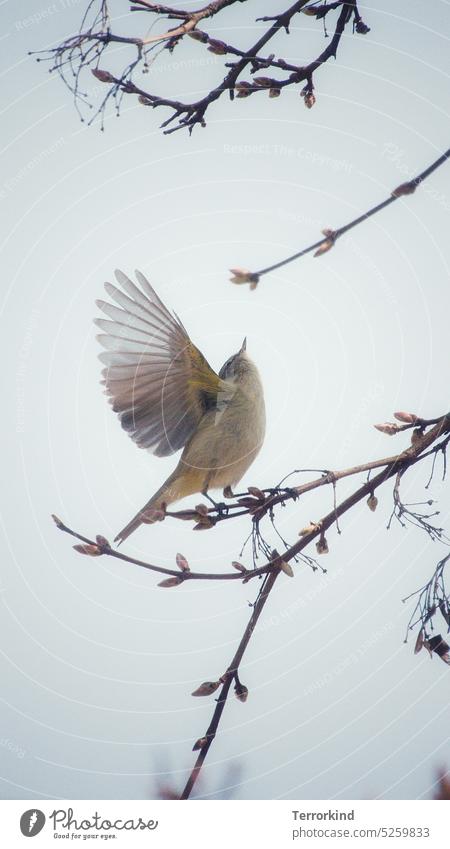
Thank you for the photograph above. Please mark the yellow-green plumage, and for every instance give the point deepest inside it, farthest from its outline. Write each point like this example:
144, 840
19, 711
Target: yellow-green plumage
167, 396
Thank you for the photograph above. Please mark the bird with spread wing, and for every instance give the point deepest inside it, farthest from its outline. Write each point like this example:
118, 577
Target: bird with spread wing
168, 397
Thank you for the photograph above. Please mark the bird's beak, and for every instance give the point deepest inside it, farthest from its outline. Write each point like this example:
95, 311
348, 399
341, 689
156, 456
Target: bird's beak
244, 346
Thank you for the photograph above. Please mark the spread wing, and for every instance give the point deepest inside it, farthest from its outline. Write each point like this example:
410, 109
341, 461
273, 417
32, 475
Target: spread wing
159, 383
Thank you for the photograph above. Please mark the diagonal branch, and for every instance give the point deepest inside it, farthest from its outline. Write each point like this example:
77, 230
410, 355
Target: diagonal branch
331, 236
425, 442
418, 451
409, 457
231, 674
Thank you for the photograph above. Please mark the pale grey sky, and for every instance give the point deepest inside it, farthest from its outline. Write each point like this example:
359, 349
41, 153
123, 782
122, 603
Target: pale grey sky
97, 662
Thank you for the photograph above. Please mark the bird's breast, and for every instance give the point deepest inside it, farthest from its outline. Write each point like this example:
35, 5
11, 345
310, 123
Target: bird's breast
229, 437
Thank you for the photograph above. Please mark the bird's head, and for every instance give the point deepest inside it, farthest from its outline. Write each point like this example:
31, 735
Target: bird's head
237, 365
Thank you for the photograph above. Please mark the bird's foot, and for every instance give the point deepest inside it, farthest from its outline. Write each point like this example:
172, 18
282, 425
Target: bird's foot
220, 506
288, 491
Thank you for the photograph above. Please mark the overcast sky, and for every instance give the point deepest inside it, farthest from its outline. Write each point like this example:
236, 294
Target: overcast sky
97, 662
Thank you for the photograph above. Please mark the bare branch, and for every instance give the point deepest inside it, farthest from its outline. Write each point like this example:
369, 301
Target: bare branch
258, 503
87, 48
258, 507
230, 675
331, 236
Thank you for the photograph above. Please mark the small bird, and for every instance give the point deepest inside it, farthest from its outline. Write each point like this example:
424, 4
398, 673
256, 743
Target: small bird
168, 397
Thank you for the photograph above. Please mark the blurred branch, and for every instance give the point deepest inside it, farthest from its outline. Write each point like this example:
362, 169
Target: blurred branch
84, 50
443, 790
330, 237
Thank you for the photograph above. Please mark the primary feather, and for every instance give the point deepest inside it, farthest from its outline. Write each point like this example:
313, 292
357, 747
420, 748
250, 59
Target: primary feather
158, 382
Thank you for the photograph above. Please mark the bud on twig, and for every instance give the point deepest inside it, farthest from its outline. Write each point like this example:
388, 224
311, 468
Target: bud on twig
216, 46
243, 89
361, 28
91, 550
404, 189
103, 76
199, 744
198, 35
310, 529
322, 545
204, 520
102, 541
170, 582
182, 563
387, 427
286, 568
407, 418
241, 692
311, 10
264, 82
241, 275
258, 493
309, 100
207, 688
372, 502
58, 522
328, 243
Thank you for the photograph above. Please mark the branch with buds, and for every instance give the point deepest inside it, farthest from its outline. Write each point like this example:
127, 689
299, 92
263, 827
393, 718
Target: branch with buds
85, 50
432, 598
330, 237
429, 438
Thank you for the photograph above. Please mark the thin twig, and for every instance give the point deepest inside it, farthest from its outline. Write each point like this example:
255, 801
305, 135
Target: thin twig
330, 236
210, 734
423, 445
87, 48
389, 465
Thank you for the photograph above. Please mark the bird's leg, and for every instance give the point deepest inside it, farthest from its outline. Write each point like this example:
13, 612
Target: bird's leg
221, 508
210, 499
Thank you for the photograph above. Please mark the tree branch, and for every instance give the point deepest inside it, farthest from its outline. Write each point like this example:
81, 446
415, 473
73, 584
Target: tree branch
262, 504
323, 245
436, 644
426, 434
84, 51
231, 674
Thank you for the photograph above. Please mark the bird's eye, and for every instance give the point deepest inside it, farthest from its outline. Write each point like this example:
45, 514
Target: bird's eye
228, 368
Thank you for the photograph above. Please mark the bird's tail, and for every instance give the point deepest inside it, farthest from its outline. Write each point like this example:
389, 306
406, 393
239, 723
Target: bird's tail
170, 491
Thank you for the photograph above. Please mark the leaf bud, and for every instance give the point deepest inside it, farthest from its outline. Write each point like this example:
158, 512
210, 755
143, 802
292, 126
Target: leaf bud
170, 582
207, 688
182, 563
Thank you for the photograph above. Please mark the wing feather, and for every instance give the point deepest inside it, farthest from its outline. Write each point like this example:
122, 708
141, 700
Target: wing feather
157, 381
